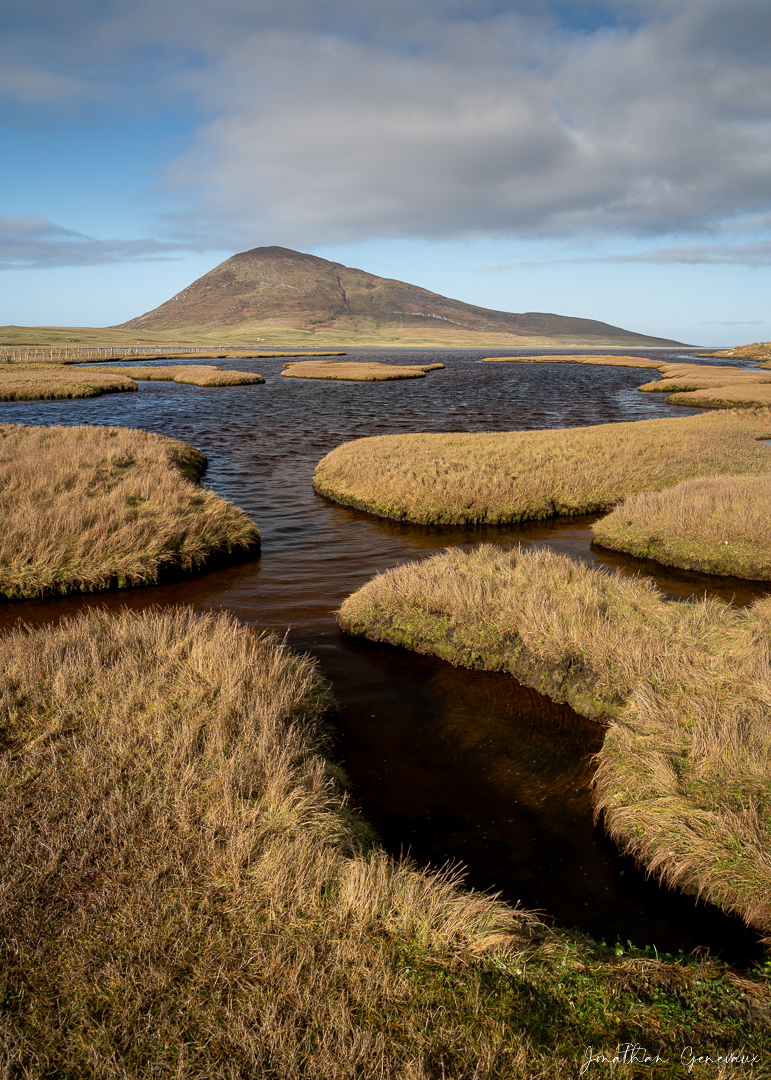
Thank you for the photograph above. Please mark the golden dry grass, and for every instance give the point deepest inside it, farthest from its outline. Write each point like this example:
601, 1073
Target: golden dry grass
715, 524
512, 476
21, 382
684, 775
185, 893
712, 387
88, 508
760, 351
356, 370
193, 374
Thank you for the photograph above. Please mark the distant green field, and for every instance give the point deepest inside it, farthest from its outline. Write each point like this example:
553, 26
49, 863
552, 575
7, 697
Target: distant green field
213, 336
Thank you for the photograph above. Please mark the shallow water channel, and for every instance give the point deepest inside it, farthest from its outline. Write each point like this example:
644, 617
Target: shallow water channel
449, 765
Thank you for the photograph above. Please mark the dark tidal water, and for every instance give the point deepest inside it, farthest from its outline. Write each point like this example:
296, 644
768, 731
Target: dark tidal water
448, 764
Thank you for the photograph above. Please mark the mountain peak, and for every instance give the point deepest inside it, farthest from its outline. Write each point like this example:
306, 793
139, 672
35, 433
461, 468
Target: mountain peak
282, 287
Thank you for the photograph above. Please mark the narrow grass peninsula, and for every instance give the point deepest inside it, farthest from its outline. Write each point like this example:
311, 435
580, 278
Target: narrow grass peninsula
90, 508
684, 774
192, 374
187, 893
714, 524
498, 477
21, 382
608, 360
356, 370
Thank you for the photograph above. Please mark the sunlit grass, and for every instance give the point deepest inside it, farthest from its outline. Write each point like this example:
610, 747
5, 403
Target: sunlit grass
90, 508
517, 475
186, 893
356, 371
684, 774
715, 524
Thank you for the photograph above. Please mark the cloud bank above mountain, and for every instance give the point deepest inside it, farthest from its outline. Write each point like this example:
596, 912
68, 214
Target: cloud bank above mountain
321, 124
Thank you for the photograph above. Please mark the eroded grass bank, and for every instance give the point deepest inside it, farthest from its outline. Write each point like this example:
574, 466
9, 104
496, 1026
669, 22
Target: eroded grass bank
685, 770
711, 387
716, 524
89, 508
185, 893
461, 478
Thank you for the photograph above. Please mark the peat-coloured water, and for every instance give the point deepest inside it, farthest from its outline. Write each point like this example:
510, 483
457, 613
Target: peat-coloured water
448, 764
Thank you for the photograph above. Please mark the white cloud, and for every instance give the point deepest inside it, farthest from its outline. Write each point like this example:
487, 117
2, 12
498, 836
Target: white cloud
758, 254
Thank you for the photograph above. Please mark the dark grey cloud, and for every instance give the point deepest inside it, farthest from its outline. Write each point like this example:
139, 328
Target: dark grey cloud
32, 243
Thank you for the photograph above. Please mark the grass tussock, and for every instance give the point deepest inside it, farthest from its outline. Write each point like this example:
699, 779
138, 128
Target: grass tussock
684, 774
89, 508
357, 371
715, 524
19, 382
512, 476
186, 893
192, 374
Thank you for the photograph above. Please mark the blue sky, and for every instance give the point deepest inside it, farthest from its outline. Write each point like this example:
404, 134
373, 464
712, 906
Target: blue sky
611, 161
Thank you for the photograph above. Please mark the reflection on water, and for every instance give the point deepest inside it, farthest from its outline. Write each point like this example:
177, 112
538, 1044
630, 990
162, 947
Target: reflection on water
446, 763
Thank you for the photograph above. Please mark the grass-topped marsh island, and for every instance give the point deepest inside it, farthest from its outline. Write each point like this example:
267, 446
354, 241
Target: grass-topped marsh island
49, 382
356, 370
513, 476
89, 508
713, 524
187, 893
191, 374
683, 776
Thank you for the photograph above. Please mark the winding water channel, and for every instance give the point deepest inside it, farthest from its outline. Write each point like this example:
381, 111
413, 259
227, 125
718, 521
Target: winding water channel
448, 764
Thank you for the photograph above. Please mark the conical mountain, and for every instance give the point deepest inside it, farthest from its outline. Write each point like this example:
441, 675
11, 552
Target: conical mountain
276, 286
